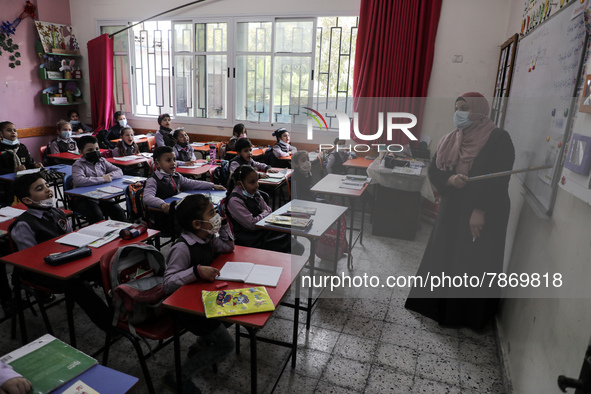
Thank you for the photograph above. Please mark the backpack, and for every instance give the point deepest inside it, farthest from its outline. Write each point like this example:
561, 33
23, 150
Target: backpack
221, 174
269, 157
103, 143
136, 273
134, 201
46, 160
325, 247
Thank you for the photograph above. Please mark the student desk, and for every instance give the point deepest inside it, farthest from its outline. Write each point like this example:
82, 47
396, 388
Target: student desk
219, 193
31, 259
188, 299
360, 163
272, 186
326, 215
138, 139
203, 149
195, 172
255, 152
67, 157
128, 163
330, 184
79, 191
103, 380
4, 225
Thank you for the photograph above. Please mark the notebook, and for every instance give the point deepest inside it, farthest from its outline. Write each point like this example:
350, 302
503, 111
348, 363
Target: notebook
90, 234
236, 302
257, 274
48, 363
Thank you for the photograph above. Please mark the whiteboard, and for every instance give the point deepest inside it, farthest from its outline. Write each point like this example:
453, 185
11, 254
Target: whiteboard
540, 106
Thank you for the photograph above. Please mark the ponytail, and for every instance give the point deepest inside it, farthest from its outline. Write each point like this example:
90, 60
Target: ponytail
239, 175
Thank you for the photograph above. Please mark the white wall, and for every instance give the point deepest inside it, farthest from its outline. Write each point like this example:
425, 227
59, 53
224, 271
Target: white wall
86, 13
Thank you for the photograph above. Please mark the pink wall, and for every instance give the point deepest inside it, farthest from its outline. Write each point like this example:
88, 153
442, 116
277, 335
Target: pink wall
20, 98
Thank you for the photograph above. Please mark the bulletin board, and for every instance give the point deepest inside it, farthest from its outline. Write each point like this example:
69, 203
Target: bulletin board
542, 100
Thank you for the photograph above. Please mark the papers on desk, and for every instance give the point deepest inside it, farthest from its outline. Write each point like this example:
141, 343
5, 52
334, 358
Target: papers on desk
25, 172
289, 221
236, 302
110, 189
80, 135
181, 195
48, 363
306, 210
407, 170
95, 194
128, 158
352, 185
146, 154
196, 165
257, 274
96, 235
134, 179
11, 213
197, 144
80, 388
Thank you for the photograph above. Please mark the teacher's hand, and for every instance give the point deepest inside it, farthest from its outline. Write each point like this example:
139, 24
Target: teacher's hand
476, 222
458, 181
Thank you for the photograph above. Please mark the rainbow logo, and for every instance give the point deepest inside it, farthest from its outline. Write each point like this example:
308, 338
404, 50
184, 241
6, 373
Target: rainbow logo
316, 119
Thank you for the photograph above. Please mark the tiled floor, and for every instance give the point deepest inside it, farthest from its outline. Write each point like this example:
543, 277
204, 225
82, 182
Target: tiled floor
362, 341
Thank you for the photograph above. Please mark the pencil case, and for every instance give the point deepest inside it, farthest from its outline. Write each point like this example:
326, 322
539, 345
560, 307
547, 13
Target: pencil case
66, 257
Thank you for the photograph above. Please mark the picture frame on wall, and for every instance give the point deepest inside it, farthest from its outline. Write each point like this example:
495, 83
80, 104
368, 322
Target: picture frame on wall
585, 105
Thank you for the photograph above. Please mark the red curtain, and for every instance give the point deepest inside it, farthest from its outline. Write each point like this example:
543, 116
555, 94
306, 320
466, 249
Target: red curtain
100, 68
393, 59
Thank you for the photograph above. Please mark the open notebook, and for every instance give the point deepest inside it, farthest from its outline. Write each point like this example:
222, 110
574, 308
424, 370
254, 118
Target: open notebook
108, 230
256, 274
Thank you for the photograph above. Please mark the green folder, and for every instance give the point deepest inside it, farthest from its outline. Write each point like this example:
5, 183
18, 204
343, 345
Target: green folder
48, 363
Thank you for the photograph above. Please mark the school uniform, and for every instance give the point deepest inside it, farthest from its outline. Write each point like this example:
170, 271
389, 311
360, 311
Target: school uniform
186, 254
80, 125
335, 163
114, 133
184, 155
12, 156
232, 144
301, 183
38, 225
281, 149
122, 149
244, 212
7, 373
85, 173
239, 161
60, 145
163, 137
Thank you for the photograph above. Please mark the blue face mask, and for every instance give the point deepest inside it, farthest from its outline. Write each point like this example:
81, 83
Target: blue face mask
247, 194
65, 134
74, 122
461, 120
9, 142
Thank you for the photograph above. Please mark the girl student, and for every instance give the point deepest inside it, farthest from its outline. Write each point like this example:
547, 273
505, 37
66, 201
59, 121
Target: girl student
14, 156
64, 141
185, 155
282, 148
163, 136
77, 126
246, 206
203, 238
301, 178
125, 146
238, 132
165, 182
244, 157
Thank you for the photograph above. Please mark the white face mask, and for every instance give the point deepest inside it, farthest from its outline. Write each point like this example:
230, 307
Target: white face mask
10, 142
461, 120
47, 203
123, 122
65, 134
216, 224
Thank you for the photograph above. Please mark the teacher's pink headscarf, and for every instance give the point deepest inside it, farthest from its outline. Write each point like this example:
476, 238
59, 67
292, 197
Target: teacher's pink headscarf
459, 148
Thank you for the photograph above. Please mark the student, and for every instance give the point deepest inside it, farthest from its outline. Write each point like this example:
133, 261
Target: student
301, 178
64, 142
163, 136
12, 382
185, 155
42, 222
244, 157
115, 131
204, 237
165, 182
93, 169
126, 146
238, 132
14, 156
336, 159
246, 206
282, 148
77, 126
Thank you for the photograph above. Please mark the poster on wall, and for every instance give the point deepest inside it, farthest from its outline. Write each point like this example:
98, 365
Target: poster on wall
57, 38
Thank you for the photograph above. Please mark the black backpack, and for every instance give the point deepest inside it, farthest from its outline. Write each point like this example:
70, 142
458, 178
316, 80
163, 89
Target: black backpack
103, 143
269, 157
221, 174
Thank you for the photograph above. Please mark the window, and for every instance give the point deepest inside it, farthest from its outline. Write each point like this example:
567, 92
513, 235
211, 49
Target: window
220, 72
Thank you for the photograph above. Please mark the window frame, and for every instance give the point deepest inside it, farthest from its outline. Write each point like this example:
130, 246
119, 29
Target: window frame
232, 54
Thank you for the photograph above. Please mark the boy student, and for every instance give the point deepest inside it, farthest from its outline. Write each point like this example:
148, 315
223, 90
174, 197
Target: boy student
185, 155
77, 126
163, 136
301, 178
244, 157
64, 141
42, 222
165, 182
115, 131
93, 169
337, 157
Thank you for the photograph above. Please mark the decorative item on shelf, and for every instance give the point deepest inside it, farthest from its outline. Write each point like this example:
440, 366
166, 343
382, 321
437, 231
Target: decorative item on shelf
57, 38
67, 68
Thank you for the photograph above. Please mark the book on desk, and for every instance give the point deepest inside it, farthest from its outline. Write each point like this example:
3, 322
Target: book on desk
256, 274
48, 363
297, 222
95, 235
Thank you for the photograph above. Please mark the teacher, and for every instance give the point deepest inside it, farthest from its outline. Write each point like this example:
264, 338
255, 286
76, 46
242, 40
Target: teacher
468, 237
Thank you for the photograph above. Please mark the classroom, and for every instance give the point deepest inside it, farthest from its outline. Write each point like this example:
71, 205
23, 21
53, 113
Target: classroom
355, 339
